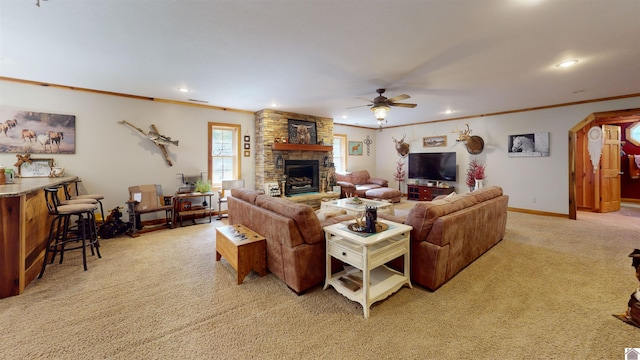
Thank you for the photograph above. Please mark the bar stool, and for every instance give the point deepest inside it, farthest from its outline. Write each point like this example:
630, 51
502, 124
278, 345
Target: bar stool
62, 232
68, 196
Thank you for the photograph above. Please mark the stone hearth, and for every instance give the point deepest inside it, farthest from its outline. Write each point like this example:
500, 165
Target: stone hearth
271, 124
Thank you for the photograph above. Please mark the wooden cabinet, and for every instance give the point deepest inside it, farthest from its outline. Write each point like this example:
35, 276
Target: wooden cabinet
426, 193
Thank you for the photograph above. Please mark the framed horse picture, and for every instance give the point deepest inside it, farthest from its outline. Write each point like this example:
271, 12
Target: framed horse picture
529, 145
33, 132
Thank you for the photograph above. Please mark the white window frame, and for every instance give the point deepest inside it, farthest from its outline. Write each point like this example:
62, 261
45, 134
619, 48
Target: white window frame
340, 152
216, 153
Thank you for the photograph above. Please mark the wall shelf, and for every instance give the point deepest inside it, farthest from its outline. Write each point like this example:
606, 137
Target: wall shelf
300, 147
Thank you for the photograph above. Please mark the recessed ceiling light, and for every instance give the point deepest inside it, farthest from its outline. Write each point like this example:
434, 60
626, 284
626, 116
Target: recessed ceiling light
448, 111
567, 63
274, 105
183, 90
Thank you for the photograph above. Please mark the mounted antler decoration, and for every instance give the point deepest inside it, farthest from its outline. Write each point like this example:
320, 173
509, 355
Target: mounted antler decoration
473, 143
401, 147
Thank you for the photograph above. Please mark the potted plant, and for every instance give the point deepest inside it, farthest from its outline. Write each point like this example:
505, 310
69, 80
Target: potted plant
475, 175
202, 186
400, 173
479, 175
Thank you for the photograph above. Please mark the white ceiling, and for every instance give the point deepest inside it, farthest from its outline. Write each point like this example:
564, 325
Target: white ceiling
315, 57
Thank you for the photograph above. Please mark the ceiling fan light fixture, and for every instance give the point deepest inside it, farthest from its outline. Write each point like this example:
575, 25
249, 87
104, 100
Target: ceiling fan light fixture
380, 112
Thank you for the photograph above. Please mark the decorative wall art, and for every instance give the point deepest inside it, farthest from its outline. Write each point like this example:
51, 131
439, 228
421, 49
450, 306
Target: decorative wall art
162, 141
368, 142
36, 132
247, 138
247, 153
529, 145
434, 141
355, 148
302, 132
247, 146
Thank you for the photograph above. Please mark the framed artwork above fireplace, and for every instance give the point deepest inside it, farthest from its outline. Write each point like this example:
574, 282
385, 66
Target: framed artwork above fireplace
302, 132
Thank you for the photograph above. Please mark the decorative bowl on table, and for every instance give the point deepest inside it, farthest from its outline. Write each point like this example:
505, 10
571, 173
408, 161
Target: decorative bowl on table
355, 200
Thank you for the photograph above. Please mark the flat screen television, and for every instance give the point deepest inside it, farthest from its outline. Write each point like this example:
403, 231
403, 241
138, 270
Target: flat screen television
439, 166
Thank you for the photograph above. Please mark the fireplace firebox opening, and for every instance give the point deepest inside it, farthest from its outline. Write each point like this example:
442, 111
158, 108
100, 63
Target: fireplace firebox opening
302, 176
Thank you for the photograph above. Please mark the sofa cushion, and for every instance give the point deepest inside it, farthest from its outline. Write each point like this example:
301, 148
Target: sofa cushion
487, 193
302, 215
245, 194
424, 214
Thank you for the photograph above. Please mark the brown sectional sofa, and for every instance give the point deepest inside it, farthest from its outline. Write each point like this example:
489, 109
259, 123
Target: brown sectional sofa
450, 233
293, 232
358, 182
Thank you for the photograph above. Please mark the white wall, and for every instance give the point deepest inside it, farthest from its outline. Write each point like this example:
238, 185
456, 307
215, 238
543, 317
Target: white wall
357, 162
544, 178
109, 156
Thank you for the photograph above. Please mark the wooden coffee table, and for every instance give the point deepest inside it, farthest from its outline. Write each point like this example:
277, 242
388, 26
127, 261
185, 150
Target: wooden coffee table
243, 249
353, 208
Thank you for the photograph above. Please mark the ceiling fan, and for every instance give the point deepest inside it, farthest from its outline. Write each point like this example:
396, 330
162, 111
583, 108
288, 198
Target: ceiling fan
381, 104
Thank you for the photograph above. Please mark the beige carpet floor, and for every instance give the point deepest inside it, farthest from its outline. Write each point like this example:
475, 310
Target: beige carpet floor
547, 291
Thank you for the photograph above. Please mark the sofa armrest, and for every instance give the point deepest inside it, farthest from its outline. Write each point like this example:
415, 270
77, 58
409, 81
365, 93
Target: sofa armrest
346, 188
378, 181
346, 184
336, 220
397, 219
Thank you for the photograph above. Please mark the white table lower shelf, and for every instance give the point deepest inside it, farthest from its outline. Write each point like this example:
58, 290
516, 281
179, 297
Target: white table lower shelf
366, 256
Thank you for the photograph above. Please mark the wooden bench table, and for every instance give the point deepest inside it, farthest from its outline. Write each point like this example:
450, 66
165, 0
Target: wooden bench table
243, 249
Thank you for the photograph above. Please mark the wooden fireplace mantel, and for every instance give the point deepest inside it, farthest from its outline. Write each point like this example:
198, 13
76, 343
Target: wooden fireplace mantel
300, 147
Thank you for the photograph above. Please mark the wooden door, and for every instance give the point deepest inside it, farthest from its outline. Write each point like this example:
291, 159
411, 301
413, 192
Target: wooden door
610, 169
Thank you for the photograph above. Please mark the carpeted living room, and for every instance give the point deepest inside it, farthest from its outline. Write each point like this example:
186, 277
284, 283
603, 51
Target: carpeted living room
506, 133
548, 289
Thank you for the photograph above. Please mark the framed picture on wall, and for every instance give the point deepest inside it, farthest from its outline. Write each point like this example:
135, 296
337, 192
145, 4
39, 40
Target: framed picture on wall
355, 148
33, 132
35, 168
302, 132
247, 138
247, 153
529, 145
434, 141
247, 145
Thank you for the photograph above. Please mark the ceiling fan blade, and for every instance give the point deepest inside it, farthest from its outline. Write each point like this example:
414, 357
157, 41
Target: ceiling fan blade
353, 107
361, 98
398, 98
403, 105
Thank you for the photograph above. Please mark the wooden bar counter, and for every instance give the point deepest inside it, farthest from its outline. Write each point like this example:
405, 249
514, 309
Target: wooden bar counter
24, 229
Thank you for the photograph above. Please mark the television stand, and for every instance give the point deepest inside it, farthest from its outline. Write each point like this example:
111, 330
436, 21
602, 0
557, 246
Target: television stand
426, 192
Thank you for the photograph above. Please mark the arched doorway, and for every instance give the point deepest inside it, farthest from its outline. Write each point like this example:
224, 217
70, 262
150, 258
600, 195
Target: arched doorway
584, 185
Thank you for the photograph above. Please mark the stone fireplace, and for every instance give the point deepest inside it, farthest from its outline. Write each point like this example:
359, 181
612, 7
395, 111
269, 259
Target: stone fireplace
303, 176
271, 124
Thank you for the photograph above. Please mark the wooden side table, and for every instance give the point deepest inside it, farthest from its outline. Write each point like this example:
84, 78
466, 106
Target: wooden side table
243, 249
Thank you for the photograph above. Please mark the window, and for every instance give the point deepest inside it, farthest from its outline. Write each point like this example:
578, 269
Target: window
340, 152
224, 161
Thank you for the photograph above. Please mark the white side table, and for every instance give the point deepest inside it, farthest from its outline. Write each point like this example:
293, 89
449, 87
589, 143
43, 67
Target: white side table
367, 253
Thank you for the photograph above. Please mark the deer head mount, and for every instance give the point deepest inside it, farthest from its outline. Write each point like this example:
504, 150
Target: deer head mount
473, 143
401, 147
